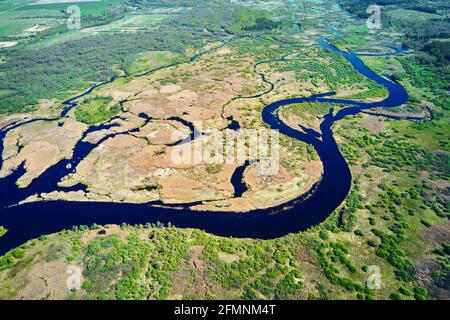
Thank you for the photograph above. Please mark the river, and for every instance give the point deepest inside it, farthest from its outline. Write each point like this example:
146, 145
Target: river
29, 221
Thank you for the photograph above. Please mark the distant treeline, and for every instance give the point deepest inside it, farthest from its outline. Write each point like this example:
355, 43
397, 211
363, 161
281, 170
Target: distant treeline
263, 23
59, 70
417, 32
168, 3
359, 7
440, 50
430, 35
53, 71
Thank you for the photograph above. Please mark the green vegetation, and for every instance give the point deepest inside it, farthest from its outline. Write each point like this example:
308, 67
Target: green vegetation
149, 60
8, 260
347, 215
59, 69
394, 216
420, 76
328, 255
440, 51
40, 73
374, 91
337, 75
87, 8
108, 257
96, 110
2, 231
252, 19
442, 272
419, 20
389, 250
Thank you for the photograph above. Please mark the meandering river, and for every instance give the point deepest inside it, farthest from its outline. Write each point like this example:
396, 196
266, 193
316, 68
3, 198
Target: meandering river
31, 220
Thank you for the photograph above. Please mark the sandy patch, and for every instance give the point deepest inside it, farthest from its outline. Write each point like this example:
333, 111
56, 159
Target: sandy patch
149, 93
223, 179
163, 133
224, 51
373, 124
48, 105
37, 156
47, 280
181, 188
235, 83
283, 175
36, 28
185, 95
152, 107
68, 196
128, 122
122, 141
196, 114
252, 178
73, 129
113, 170
111, 229
195, 252
120, 95
8, 44
227, 257
268, 191
142, 160
41, 144
315, 168
170, 89
233, 204
182, 102
151, 158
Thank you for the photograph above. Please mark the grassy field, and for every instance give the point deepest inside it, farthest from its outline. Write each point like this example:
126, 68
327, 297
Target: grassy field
96, 110
148, 60
14, 23
86, 7
404, 14
14, 19
131, 23
7, 5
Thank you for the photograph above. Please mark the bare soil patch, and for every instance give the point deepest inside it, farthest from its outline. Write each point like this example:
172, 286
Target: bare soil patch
8, 44
170, 89
437, 234
46, 280
373, 124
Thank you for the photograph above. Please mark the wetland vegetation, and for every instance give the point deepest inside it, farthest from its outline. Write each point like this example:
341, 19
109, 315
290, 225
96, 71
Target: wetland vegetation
396, 214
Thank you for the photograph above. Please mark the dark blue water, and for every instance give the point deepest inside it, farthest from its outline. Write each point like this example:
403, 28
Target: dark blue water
237, 179
28, 221
194, 132
234, 125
